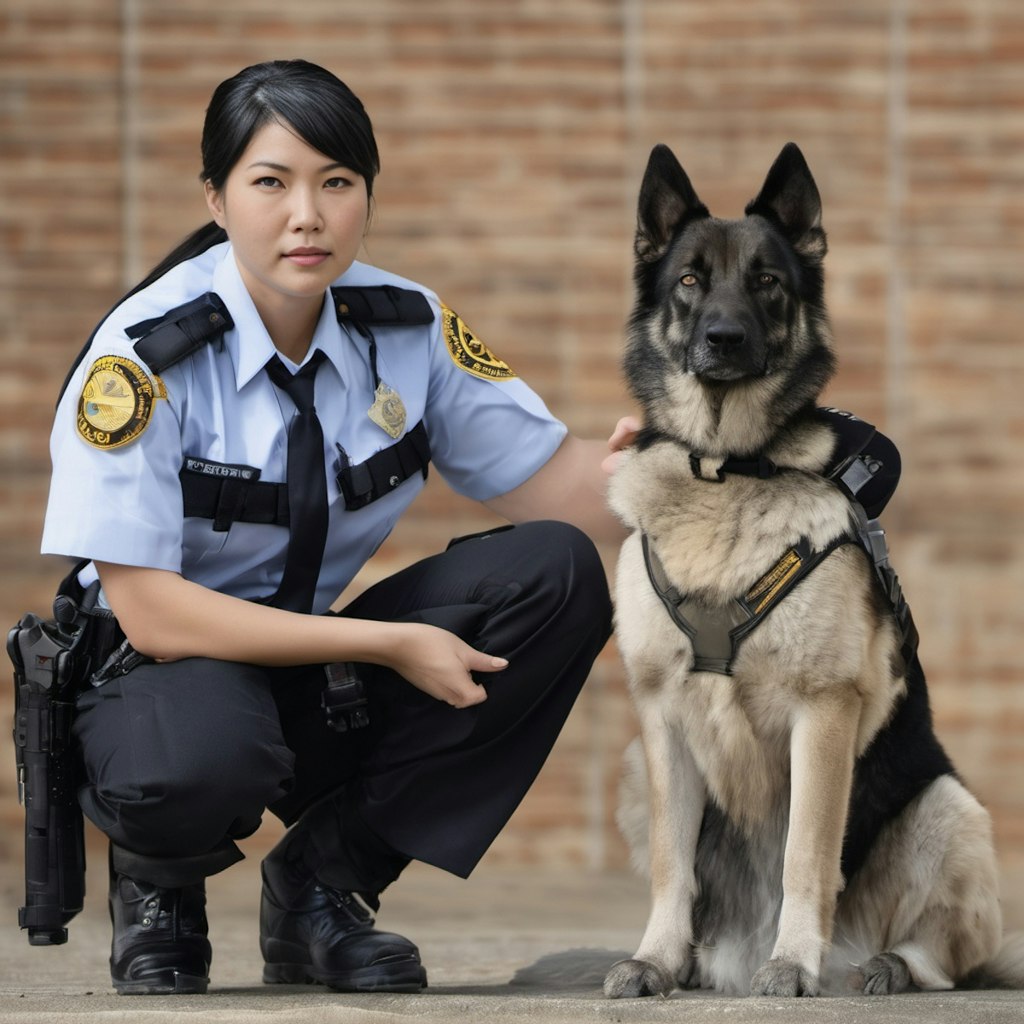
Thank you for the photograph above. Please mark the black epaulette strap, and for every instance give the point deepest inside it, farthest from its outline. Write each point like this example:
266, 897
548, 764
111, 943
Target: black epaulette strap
166, 340
382, 306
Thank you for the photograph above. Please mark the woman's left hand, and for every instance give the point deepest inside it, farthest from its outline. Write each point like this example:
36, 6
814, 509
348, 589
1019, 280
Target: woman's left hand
622, 437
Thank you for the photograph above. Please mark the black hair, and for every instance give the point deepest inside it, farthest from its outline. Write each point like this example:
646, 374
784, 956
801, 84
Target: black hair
316, 104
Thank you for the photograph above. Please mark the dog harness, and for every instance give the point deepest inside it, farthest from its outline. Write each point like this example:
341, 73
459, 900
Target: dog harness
716, 633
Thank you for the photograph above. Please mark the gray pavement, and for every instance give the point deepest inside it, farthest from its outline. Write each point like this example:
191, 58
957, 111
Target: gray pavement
493, 947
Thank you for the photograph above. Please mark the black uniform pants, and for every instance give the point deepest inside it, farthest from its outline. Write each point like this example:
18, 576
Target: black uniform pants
182, 758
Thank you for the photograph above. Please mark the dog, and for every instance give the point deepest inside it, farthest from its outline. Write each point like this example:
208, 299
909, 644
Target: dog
788, 795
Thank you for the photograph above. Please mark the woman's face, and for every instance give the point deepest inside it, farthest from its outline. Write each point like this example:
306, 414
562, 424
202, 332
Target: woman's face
294, 217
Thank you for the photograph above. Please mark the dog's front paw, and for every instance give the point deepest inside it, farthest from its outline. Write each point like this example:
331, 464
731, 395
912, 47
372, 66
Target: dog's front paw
783, 978
884, 975
631, 978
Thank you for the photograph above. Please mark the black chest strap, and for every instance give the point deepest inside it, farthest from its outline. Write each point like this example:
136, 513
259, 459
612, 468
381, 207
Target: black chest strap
235, 494
383, 471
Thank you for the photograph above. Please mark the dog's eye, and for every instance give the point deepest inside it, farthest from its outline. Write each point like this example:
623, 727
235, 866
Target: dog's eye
766, 280
688, 280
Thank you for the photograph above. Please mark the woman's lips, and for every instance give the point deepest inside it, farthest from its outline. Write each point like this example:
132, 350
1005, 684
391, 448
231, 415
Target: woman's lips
307, 257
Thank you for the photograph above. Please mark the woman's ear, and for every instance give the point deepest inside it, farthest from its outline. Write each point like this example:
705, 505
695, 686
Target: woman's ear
215, 203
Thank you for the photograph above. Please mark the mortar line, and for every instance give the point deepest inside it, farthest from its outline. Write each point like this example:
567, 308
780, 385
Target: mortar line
897, 346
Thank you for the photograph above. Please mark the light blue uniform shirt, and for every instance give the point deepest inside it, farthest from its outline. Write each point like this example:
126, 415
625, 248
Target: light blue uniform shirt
124, 505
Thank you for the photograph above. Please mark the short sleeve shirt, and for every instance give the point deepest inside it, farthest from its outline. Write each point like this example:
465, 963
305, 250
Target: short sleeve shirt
488, 433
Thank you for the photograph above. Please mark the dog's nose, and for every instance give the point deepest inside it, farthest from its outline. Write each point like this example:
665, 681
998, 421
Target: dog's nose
726, 335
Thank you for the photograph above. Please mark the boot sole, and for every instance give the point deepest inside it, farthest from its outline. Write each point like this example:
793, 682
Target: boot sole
404, 975
167, 984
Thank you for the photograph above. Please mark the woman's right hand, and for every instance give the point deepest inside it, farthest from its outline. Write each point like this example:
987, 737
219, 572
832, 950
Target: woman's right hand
168, 618
439, 663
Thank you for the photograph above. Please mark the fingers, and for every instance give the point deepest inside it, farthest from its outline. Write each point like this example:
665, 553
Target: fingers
622, 437
466, 696
469, 693
624, 433
480, 662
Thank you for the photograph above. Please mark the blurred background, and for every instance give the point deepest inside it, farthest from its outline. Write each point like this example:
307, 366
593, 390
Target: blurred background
513, 136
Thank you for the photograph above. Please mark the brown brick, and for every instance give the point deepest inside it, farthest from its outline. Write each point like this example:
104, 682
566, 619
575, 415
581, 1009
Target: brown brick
513, 137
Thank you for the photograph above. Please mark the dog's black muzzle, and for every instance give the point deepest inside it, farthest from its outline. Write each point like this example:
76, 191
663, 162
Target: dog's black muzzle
727, 349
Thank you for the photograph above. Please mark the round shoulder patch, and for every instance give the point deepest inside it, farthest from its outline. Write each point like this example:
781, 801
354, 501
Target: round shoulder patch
469, 352
116, 403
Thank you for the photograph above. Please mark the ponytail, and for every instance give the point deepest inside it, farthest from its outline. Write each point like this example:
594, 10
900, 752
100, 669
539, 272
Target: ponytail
198, 242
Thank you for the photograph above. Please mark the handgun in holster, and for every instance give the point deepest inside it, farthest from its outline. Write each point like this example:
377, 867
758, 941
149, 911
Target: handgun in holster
53, 660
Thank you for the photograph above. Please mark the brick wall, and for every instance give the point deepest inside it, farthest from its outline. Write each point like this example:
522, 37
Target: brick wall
513, 137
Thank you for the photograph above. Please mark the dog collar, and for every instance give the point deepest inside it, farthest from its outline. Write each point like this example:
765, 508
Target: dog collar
761, 467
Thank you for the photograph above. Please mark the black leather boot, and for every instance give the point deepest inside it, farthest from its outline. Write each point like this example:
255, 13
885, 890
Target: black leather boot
160, 945
313, 933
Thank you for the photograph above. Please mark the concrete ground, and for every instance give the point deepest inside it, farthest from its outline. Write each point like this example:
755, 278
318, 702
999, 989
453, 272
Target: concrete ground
491, 947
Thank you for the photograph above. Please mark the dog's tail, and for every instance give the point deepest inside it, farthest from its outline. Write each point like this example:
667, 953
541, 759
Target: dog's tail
1004, 970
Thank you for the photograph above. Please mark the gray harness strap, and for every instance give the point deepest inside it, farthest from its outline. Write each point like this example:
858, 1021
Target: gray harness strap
717, 632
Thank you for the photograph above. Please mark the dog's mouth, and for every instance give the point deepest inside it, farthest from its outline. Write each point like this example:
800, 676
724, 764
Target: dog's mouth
713, 367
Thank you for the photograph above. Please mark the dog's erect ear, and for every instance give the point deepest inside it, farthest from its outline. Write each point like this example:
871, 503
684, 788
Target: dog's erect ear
666, 199
791, 200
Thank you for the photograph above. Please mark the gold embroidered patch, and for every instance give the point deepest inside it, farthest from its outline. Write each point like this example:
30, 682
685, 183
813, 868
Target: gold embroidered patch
469, 352
116, 403
766, 589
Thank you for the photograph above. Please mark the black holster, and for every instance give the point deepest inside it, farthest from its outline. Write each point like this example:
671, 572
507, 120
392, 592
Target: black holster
53, 661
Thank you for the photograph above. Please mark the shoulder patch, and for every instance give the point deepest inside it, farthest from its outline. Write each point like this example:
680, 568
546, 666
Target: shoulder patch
468, 352
116, 403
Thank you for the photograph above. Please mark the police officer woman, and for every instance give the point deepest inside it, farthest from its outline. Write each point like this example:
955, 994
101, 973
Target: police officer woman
243, 430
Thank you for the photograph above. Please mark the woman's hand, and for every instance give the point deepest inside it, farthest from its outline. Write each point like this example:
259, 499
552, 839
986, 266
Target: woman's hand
622, 437
167, 618
439, 663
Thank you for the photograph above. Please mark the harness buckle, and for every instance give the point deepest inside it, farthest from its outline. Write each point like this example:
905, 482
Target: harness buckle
695, 469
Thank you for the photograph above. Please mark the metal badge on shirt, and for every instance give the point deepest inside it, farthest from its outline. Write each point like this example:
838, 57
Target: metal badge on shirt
388, 410
116, 403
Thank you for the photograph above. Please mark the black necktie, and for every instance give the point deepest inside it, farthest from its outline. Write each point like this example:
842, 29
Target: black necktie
307, 489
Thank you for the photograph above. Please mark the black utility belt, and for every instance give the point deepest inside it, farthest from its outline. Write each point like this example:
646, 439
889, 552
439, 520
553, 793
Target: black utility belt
232, 493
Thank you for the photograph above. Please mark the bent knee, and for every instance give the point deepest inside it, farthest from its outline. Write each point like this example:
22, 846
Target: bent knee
565, 551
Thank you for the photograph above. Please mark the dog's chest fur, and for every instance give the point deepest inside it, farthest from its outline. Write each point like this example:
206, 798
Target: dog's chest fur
715, 541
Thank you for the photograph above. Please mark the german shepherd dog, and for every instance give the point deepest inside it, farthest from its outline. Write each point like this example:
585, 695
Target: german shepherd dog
789, 798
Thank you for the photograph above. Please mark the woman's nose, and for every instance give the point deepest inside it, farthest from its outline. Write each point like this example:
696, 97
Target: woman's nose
305, 214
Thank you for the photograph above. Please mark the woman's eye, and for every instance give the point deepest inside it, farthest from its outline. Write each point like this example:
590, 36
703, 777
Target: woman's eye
267, 182
337, 183
688, 280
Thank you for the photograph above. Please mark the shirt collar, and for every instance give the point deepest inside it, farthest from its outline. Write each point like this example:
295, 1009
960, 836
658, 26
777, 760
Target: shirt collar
249, 357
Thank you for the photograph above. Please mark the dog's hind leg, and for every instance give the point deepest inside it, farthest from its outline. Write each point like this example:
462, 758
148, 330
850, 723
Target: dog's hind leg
676, 797
821, 765
924, 906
